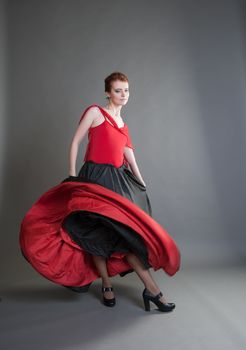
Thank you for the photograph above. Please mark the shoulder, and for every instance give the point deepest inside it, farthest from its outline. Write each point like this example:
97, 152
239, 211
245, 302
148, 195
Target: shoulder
92, 109
90, 114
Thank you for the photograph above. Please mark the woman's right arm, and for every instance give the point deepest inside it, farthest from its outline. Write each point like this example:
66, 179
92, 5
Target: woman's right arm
82, 129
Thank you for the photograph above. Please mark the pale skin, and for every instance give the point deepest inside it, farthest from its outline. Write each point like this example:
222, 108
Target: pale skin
118, 97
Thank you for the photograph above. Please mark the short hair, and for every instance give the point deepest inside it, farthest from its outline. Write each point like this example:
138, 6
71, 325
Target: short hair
113, 77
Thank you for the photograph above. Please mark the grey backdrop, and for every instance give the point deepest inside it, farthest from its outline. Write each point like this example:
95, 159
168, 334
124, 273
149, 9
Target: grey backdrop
186, 112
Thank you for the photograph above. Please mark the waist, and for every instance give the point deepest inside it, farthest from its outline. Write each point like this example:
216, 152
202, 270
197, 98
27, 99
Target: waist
99, 164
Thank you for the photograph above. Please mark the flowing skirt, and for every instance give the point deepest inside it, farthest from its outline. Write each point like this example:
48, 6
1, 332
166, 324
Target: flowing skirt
103, 211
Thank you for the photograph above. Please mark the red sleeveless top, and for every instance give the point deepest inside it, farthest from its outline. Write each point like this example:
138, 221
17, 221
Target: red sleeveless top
107, 141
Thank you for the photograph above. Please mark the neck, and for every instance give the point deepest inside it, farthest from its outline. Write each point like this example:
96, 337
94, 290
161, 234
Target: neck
115, 109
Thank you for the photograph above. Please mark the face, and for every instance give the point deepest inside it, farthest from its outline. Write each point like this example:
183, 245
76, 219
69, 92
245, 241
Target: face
119, 92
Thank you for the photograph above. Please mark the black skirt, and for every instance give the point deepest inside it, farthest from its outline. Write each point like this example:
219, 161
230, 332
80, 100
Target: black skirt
98, 234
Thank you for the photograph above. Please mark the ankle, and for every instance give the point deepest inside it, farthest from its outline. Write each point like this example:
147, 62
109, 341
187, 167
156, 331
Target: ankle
106, 283
153, 291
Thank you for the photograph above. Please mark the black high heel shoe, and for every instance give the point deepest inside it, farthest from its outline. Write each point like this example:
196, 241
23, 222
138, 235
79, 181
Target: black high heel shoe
108, 302
148, 296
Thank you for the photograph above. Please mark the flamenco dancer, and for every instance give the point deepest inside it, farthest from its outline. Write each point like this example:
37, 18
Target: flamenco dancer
99, 223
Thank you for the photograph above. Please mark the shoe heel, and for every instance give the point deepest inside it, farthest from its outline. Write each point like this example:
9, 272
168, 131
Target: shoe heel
146, 304
165, 307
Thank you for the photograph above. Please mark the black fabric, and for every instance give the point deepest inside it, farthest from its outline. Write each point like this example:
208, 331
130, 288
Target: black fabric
101, 235
120, 180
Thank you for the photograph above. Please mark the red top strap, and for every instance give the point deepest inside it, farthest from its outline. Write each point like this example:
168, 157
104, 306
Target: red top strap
110, 118
103, 112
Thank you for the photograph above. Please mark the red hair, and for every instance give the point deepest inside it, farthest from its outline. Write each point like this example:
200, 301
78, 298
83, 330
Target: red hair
113, 77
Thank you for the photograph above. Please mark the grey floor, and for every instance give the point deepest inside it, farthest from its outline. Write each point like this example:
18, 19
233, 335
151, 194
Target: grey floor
210, 314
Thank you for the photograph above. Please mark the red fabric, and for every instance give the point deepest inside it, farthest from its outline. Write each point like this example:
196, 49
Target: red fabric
106, 141
50, 250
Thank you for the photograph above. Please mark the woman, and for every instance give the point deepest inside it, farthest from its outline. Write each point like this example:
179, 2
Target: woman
99, 224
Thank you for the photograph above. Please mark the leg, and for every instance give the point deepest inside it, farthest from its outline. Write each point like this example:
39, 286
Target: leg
144, 275
100, 262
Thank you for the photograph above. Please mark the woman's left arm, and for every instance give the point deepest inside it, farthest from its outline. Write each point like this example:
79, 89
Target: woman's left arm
130, 157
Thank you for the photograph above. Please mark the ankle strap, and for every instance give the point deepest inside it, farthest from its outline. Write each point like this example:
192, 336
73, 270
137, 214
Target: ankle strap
158, 296
107, 289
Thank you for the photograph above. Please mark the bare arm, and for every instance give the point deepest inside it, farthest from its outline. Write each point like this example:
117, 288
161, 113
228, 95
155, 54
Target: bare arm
129, 154
82, 129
